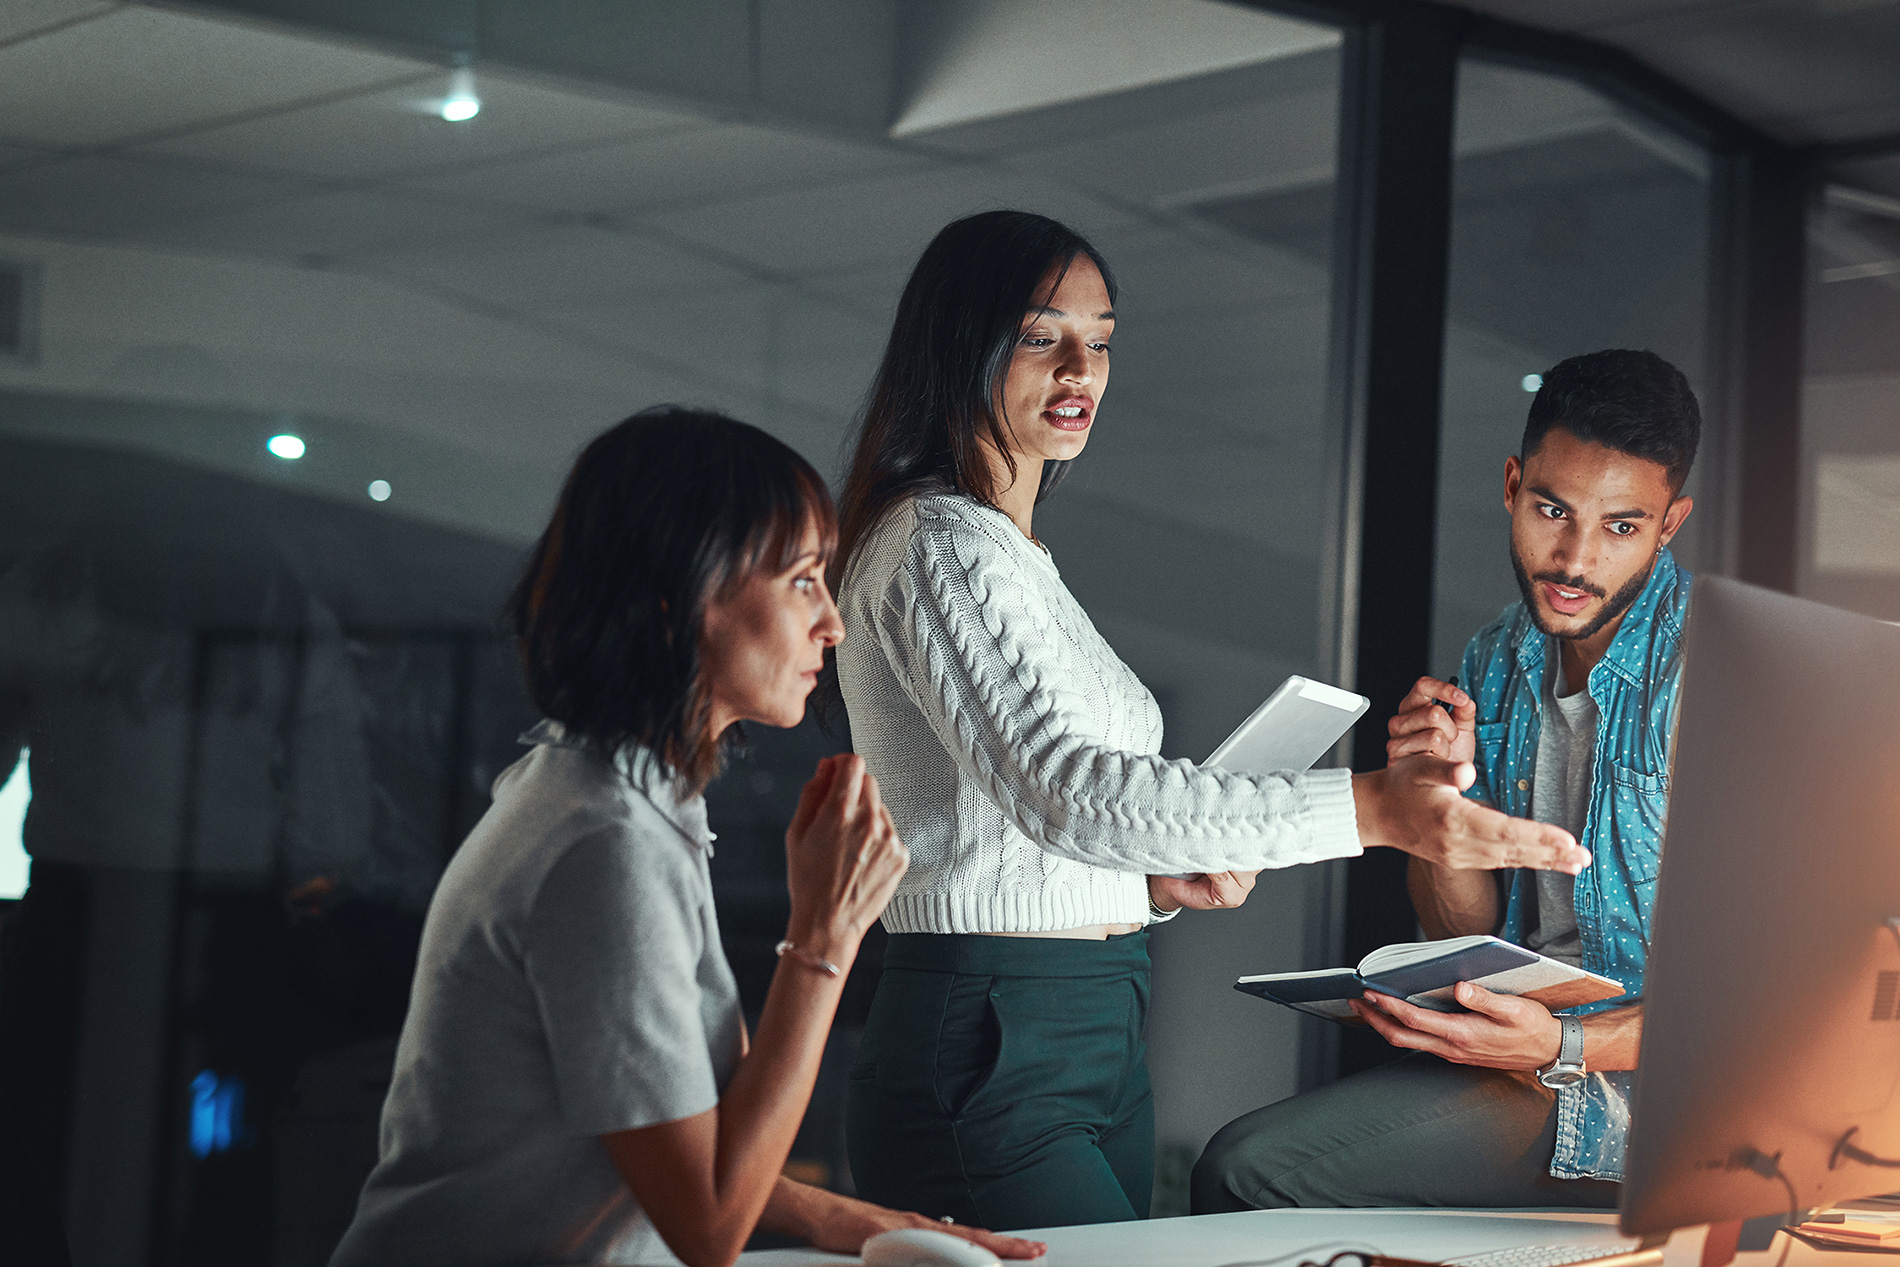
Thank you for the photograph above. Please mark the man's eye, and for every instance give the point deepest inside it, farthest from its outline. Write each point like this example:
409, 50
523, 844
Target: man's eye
1100, 347
1037, 341
804, 582
1623, 529
1551, 512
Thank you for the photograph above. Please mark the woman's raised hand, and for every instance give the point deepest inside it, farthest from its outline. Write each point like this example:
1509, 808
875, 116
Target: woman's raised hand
843, 859
1418, 804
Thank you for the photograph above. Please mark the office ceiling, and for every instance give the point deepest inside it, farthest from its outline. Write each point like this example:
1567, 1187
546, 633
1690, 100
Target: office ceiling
587, 247
721, 209
1804, 71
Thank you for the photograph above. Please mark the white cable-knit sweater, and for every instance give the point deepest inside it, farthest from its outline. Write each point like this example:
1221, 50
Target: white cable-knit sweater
1016, 751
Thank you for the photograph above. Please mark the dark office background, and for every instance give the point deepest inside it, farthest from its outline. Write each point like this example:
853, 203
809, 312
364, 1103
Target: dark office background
267, 694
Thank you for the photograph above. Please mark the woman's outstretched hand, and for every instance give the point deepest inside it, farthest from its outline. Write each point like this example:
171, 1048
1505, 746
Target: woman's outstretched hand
1214, 891
843, 859
1418, 804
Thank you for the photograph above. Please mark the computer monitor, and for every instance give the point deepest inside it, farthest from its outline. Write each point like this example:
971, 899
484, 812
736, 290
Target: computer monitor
1769, 1079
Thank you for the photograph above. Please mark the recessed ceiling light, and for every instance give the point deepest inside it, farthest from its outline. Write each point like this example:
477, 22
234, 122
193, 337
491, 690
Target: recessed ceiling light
461, 104
1531, 382
286, 446
379, 490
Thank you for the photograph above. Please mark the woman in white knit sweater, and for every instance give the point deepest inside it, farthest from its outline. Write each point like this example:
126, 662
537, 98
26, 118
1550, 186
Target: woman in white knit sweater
1002, 1077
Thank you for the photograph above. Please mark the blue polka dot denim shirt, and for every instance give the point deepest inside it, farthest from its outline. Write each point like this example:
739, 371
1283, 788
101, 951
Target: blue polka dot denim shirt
1634, 687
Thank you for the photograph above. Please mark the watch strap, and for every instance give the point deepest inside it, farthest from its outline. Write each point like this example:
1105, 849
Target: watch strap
1570, 1049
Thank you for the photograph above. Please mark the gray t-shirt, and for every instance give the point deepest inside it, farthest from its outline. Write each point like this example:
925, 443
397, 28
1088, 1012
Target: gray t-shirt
1560, 795
570, 984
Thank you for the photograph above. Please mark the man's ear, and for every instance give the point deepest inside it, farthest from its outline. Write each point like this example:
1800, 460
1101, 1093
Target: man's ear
1513, 480
1672, 518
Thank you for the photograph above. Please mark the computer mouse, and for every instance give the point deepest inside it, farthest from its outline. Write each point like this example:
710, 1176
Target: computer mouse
923, 1247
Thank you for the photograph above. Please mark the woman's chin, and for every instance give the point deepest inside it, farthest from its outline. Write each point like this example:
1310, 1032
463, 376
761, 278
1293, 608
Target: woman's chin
788, 714
1065, 446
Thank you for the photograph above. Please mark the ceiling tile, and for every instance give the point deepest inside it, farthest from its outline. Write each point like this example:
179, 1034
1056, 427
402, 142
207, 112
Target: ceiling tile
138, 71
1799, 77
1800, 69
847, 226
871, 292
1162, 271
553, 266
398, 130
120, 197
1270, 143
345, 225
20, 18
695, 165
827, 356
725, 335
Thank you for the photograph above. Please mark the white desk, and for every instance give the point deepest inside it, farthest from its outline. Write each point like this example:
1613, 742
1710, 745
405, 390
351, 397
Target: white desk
1231, 1240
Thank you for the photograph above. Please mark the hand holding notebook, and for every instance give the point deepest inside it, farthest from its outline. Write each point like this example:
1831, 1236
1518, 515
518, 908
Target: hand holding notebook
1424, 973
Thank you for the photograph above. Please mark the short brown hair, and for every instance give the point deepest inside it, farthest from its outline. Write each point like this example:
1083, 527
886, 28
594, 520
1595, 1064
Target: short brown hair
661, 513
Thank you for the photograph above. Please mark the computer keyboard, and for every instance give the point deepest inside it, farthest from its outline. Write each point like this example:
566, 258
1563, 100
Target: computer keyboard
1560, 1256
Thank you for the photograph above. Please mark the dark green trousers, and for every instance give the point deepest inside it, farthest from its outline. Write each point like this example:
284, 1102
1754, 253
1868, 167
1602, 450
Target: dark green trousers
1419, 1131
1003, 1081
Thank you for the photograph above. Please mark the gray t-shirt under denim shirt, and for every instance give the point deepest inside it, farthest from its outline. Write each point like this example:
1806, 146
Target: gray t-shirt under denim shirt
570, 984
1560, 795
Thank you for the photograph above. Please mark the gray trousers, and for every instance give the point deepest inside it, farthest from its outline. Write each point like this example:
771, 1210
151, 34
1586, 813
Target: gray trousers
1417, 1132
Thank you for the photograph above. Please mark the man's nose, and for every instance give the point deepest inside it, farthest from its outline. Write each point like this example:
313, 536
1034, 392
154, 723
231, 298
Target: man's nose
1573, 552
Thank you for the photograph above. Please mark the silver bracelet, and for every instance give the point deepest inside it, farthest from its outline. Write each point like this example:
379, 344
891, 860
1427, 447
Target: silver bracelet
825, 966
1158, 916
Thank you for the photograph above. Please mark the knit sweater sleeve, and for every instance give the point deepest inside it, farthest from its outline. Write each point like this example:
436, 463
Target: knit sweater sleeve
968, 636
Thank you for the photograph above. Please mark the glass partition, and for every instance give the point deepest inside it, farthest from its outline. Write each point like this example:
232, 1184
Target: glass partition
1576, 225
1850, 424
1191, 529
292, 360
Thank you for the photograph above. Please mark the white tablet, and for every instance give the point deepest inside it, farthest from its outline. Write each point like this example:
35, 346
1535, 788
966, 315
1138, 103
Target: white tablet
1299, 724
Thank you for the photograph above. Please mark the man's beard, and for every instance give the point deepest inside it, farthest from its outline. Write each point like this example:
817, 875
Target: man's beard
1618, 604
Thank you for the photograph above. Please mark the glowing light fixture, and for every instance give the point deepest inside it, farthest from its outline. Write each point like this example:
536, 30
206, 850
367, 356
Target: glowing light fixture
286, 446
1531, 382
461, 104
379, 490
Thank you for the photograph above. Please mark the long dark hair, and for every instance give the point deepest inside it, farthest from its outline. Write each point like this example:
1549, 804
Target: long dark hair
661, 513
934, 399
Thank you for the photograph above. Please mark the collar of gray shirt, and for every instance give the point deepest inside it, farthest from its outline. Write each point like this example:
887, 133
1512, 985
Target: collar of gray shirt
647, 775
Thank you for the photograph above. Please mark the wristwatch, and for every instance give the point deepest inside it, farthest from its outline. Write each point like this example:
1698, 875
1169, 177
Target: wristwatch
1567, 1070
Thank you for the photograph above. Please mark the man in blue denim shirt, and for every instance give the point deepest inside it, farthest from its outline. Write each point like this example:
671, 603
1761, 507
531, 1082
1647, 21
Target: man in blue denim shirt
1568, 719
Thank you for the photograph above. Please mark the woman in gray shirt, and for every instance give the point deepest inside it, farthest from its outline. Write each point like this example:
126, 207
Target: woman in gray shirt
573, 1082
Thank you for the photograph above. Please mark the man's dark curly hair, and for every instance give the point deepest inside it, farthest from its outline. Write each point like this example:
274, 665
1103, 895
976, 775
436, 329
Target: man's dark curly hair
1633, 402
661, 513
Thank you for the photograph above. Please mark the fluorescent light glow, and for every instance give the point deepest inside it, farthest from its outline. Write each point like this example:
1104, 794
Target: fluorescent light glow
1531, 382
379, 490
461, 104
15, 792
286, 446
